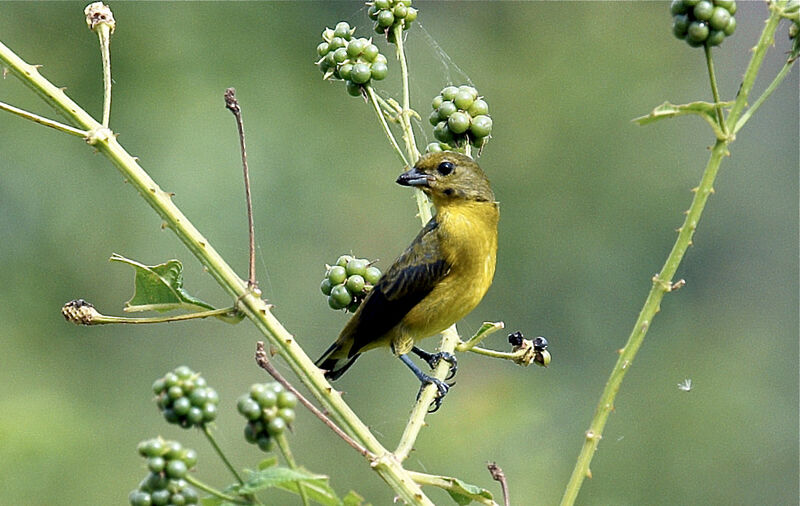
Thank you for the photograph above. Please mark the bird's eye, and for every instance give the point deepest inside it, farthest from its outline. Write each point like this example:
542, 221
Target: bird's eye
445, 168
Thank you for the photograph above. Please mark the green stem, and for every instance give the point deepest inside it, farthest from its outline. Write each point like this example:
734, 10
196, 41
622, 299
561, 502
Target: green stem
42, 120
405, 116
213, 441
254, 308
759, 52
417, 419
103, 319
104, 34
714, 90
283, 445
772, 86
450, 484
497, 354
379, 112
487, 329
211, 490
662, 282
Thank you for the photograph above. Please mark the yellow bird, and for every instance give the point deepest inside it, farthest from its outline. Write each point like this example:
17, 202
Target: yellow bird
437, 280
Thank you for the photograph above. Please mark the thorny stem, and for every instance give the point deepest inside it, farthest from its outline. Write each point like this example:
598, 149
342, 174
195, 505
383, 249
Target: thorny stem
263, 361
662, 282
254, 308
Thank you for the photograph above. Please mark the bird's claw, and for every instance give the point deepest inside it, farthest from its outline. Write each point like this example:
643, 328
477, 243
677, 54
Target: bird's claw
433, 359
442, 389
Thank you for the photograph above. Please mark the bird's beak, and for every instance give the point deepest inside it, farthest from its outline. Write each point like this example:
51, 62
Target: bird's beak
414, 177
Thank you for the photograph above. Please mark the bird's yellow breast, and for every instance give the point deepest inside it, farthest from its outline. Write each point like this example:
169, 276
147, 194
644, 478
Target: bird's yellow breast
467, 235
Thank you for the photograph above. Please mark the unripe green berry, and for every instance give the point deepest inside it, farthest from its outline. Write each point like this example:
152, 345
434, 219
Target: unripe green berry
373, 274
322, 48
703, 10
385, 19
265, 443
337, 274
411, 16
326, 286
463, 100
156, 464
715, 37
437, 101
287, 400
400, 11
341, 296
176, 469
189, 457
342, 260
680, 25
139, 498
458, 122
379, 70
370, 52
355, 47
382, 4
719, 19
194, 416
433, 147
697, 32
356, 266
481, 126
678, 7
360, 73
276, 426
355, 284
691, 3
248, 407
433, 118
181, 406
478, 107
446, 109
441, 132
731, 27
336, 43
160, 497
171, 379
342, 30
449, 93
209, 412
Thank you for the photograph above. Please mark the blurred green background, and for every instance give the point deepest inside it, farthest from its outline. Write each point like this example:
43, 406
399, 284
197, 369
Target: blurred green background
589, 201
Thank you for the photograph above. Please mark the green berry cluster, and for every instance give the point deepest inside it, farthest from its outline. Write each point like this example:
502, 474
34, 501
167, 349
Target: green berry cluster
460, 116
269, 409
348, 281
185, 399
354, 60
703, 22
389, 13
169, 463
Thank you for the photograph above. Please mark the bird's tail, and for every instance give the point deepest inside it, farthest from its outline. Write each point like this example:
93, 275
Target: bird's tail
335, 363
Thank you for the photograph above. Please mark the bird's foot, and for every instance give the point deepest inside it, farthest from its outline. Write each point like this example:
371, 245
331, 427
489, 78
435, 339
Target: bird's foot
441, 387
433, 359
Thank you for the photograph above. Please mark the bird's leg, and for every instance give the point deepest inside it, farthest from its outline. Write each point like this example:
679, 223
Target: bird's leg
433, 360
425, 379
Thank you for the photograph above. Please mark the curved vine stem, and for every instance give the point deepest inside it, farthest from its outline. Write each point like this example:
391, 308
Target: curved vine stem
662, 282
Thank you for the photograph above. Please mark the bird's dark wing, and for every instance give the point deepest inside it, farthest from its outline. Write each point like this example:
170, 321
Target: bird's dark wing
410, 278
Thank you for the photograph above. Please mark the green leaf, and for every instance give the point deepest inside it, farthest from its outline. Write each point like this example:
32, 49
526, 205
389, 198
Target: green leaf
316, 485
267, 463
463, 493
159, 288
705, 110
352, 499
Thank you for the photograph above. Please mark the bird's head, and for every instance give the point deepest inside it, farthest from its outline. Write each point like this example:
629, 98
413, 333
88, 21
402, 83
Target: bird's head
447, 176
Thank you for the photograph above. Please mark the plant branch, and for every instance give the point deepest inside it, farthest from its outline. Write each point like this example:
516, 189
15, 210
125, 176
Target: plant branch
43, 121
662, 282
252, 306
405, 116
499, 475
759, 52
382, 119
233, 105
417, 418
263, 362
714, 90
104, 34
